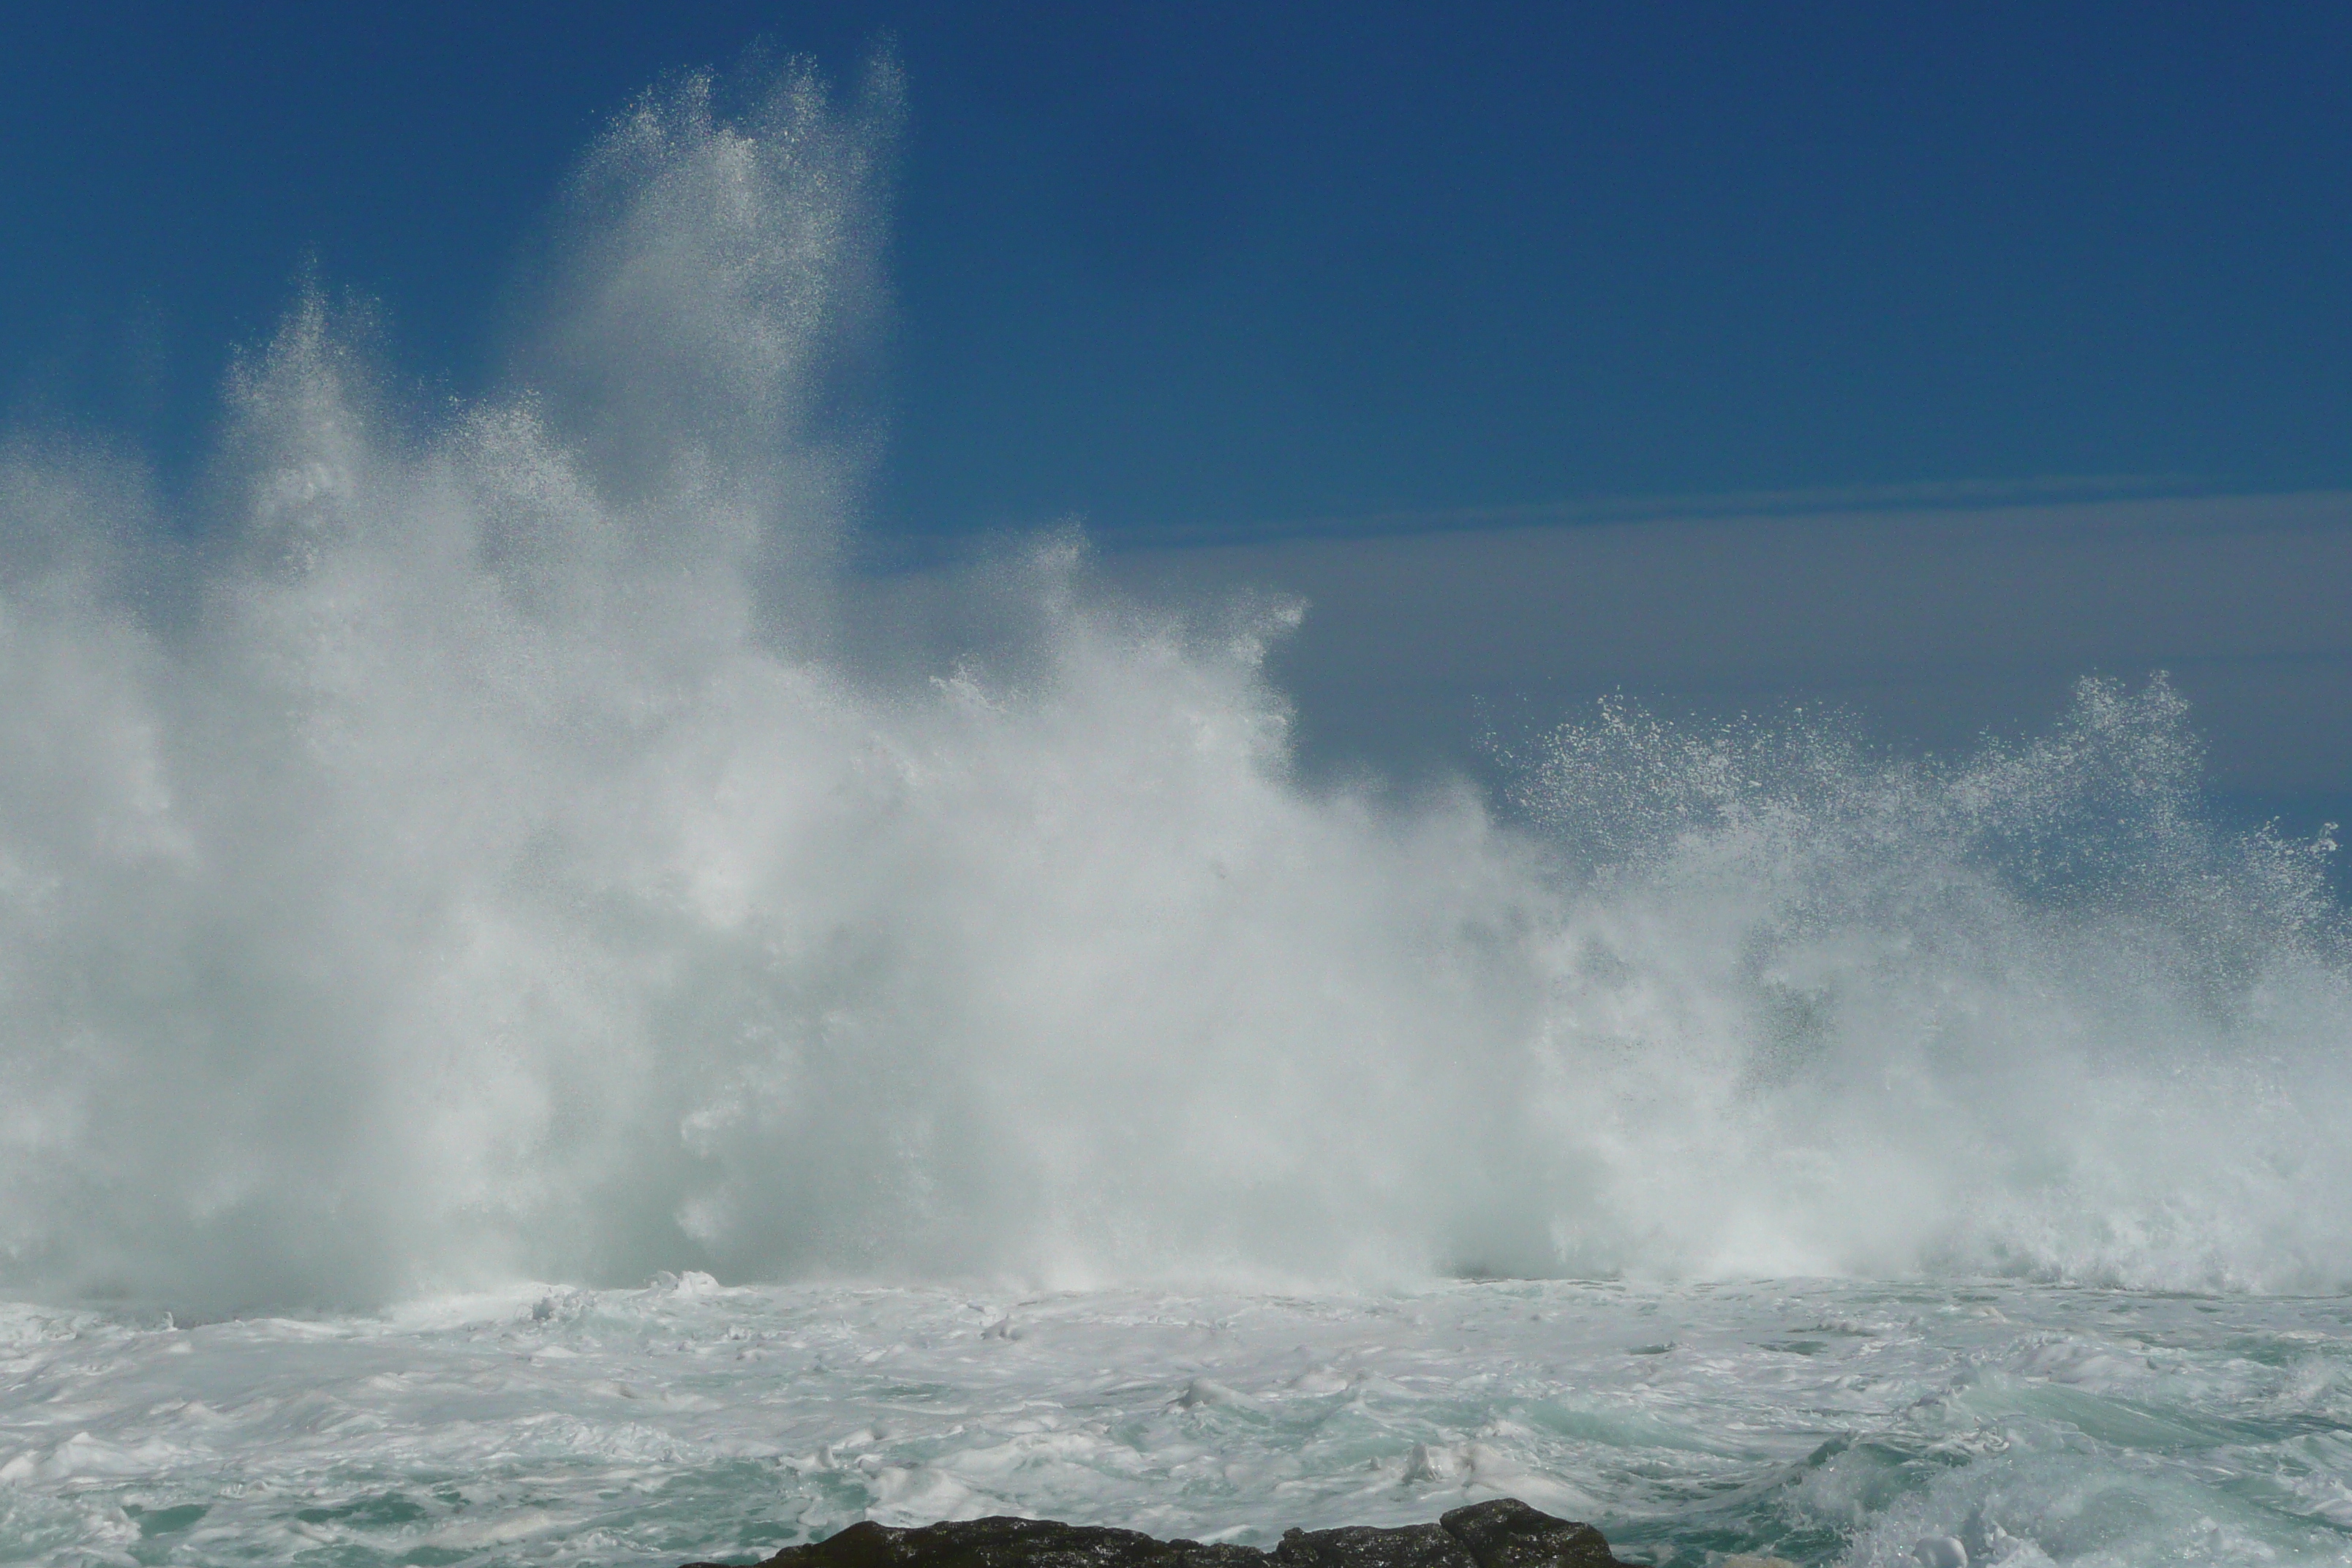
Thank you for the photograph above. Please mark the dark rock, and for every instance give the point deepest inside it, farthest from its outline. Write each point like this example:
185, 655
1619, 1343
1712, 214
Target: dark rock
1362, 1546
1507, 1533
1504, 1533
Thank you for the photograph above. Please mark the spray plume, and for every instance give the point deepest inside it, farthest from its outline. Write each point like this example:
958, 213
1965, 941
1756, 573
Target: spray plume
504, 847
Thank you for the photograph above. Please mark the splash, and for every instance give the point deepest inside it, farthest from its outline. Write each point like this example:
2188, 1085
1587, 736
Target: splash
513, 844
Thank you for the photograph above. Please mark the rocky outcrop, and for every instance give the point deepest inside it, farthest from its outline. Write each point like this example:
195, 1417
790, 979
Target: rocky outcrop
1504, 1533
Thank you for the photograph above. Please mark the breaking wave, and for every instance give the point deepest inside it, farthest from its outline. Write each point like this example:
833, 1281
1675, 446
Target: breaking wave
514, 842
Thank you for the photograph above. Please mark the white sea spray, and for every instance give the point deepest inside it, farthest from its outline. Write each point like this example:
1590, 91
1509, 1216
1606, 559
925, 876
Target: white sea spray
517, 841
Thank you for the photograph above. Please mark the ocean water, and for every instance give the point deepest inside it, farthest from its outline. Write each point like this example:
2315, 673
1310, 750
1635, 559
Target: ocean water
458, 847
1819, 1422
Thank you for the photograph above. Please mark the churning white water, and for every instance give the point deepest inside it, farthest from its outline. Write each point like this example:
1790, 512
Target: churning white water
508, 843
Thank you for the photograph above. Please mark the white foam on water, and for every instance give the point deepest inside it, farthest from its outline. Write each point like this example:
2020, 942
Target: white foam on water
1818, 1422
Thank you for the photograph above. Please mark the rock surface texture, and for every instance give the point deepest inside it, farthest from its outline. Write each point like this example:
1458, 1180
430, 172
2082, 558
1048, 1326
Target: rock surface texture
1504, 1533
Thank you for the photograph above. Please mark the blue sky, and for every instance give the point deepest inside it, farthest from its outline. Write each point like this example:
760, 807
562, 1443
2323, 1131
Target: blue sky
1236, 268
1163, 264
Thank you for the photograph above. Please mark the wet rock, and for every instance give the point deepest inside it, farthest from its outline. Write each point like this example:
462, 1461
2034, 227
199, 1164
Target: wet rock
1362, 1546
1507, 1533
1504, 1533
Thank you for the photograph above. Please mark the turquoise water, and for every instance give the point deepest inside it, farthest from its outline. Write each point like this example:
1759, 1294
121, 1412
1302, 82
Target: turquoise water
1820, 1423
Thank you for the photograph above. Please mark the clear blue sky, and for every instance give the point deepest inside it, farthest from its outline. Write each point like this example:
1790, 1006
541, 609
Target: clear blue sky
1174, 264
